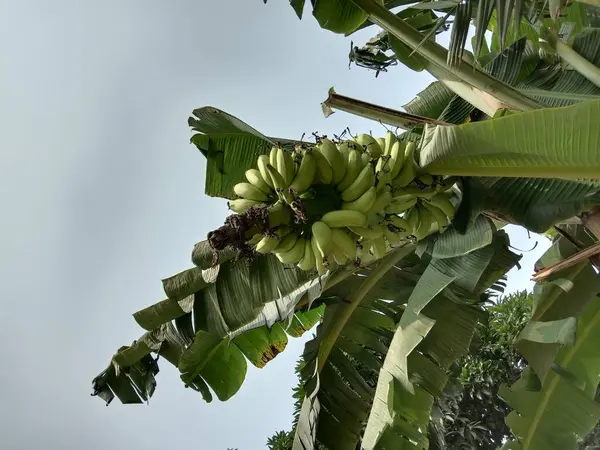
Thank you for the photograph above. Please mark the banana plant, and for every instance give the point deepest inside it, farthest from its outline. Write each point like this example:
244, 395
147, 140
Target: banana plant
390, 244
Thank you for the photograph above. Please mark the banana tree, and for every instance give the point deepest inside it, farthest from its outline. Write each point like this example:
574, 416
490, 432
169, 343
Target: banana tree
390, 244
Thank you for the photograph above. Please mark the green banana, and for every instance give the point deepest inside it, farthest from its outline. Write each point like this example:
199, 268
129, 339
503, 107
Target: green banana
400, 204
283, 192
365, 179
339, 257
394, 238
368, 233
416, 191
443, 202
294, 255
254, 239
255, 178
425, 222
363, 254
438, 216
344, 149
322, 237
273, 157
369, 144
424, 179
267, 244
381, 142
396, 158
263, 161
354, 168
286, 244
408, 171
241, 205
379, 247
362, 203
381, 202
321, 269
324, 173
285, 166
400, 225
344, 218
412, 217
390, 139
250, 192
335, 159
365, 159
305, 175
343, 243
308, 261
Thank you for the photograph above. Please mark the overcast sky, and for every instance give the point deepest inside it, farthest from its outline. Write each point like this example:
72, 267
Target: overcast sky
102, 196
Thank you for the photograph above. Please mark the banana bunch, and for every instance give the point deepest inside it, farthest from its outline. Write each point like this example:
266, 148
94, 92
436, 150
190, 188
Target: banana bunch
349, 202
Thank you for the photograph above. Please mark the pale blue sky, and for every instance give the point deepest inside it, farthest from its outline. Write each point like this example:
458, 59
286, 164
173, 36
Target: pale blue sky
102, 197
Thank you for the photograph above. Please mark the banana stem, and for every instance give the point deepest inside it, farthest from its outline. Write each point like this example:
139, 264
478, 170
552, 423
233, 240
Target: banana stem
342, 318
374, 112
438, 55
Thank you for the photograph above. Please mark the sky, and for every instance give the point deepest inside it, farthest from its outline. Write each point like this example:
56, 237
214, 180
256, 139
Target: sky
102, 197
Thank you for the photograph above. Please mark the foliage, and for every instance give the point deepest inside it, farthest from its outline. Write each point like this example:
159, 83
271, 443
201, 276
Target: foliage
382, 367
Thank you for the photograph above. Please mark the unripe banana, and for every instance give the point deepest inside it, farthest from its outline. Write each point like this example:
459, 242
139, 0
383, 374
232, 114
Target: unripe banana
335, 159
384, 181
279, 214
390, 139
324, 173
368, 233
365, 179
425, 221
443, 202
255, 239
344, 149
400, 204
342, 241
295, 254
344, 218
383, 164
255, 178
362, 203
322, 237
381, 142
262, 162
250, 192
396, 158
276, 178
381, 202
400, 225
364, 255
308, 261
321, 269
241, 205
365, 159
438, 216
339, 257
285, 166
394, 239
424, 179
267, 244
353, 170
416, 191
273, 157
305, 175
286, 244
379, 247
283, 193
412, 217
369, 144
408, 171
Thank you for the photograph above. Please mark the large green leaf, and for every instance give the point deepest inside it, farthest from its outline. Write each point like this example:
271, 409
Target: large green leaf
546, 143
230, 146
339, 16
560, 410
557, 302
333, 419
